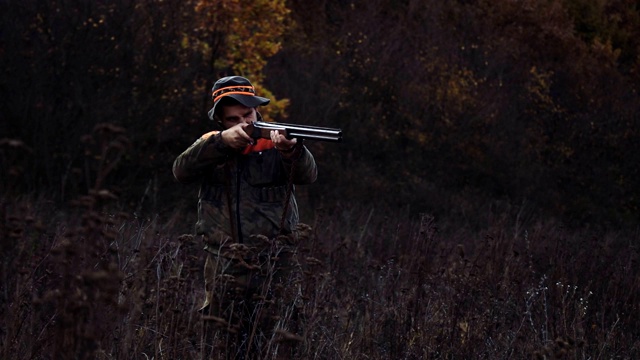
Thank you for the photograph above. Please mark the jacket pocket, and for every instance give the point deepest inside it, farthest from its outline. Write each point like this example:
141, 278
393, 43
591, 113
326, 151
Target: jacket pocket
272, 194
213, 194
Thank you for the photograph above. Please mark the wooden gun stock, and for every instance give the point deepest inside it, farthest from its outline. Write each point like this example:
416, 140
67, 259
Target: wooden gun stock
262, 129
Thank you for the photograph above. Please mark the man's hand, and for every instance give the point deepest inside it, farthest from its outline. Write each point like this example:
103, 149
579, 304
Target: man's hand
236, 138
282, 144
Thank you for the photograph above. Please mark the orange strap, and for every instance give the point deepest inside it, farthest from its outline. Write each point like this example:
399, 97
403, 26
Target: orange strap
260, 145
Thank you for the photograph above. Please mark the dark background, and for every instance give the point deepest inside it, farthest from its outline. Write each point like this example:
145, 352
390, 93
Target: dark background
446, 107
483, 203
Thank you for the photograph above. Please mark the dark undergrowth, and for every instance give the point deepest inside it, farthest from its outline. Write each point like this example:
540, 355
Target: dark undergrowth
92, 284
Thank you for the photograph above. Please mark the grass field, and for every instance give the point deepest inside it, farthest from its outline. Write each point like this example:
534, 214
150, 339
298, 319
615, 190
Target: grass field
90, 284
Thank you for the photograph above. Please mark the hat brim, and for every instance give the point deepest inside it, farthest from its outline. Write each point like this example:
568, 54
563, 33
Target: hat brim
246, 100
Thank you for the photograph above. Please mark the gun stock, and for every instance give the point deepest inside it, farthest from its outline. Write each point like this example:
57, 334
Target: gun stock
262, 129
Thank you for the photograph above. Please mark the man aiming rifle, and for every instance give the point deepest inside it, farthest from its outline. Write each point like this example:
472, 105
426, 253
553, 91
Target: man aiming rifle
247, 212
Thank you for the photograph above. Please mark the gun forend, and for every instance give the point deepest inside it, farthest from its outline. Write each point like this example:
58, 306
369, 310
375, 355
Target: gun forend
262, 129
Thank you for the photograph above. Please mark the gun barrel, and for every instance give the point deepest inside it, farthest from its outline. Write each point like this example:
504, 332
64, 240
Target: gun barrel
299, 131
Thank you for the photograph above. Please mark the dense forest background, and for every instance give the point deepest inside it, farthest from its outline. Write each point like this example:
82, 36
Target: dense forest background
483, 203
447, 107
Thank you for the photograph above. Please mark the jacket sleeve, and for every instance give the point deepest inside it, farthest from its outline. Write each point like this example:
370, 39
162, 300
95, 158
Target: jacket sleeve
208, 150
304, 170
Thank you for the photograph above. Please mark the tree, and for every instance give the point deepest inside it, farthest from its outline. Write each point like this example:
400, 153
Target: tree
145, 67
498, 99
250, 35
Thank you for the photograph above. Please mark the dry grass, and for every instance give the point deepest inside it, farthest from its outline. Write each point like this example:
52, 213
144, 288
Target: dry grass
89, 284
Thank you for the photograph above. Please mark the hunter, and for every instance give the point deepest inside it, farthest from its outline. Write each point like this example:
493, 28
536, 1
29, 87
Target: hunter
246, 202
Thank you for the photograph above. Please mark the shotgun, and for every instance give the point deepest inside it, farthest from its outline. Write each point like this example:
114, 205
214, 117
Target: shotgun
262, 129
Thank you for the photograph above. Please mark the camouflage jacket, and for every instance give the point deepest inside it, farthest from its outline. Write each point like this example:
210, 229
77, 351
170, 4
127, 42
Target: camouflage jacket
244, 189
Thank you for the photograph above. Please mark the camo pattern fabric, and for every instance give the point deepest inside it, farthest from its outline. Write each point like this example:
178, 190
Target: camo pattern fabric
246, 191
255, 184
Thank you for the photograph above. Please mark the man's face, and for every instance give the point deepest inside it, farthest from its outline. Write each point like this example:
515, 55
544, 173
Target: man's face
237, 114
